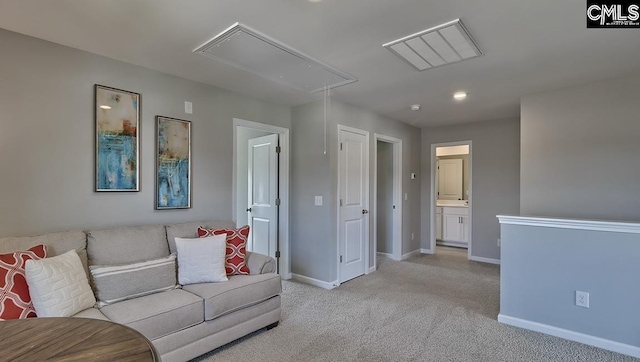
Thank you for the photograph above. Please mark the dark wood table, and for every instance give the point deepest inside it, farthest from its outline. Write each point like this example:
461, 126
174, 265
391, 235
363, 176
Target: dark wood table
72, 339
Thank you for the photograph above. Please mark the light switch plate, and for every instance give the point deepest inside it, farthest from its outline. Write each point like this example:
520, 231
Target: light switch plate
188, 107
318, 201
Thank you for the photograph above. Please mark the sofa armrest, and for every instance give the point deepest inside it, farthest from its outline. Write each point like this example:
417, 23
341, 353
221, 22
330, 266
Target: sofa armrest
260, 263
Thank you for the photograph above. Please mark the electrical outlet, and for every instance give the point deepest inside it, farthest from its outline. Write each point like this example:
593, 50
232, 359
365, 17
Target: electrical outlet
582, 299
498, 241
413, 236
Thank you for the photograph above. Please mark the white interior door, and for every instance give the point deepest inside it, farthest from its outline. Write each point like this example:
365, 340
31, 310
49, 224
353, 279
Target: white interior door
450, 179
353, 190
263, 192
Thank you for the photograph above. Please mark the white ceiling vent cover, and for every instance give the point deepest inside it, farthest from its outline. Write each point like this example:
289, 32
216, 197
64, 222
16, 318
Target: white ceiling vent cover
440, 45
249, 50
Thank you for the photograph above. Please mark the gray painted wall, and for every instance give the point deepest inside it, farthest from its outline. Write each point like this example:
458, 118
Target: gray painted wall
384, 195
537, 286
313, 232
580, 151
47, 139
495, 179
313, 245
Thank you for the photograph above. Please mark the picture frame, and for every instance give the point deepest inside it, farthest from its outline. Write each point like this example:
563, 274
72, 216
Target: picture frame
117, 127
173, 163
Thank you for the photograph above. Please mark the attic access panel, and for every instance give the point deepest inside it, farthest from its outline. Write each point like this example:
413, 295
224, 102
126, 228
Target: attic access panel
251, 51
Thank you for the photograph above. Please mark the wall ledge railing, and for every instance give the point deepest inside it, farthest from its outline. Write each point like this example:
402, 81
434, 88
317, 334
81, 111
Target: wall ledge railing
628, 227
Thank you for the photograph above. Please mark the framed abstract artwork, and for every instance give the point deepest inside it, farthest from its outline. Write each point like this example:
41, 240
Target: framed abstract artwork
173, 163
117, 139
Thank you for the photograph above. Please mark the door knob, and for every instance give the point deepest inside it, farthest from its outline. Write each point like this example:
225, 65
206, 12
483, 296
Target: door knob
365, 211
249, 210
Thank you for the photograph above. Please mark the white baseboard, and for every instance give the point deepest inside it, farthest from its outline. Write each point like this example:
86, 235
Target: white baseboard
485, 260
315, 282
285, 276
372, 269
426, 251
571, 335
454, 244
410, 254
388, 256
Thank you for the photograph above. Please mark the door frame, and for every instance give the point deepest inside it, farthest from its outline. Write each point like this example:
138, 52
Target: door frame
397, 197
432, 200
283, 217
366, 199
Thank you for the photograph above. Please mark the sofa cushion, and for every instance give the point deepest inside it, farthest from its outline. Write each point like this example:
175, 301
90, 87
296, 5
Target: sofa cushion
159, 314
15, 301
126, 245
115, 283
56, 243
201, 260
190, 230
239, 292
91, 313
58, 285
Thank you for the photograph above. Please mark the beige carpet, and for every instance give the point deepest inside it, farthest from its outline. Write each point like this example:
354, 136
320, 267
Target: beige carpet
428, 308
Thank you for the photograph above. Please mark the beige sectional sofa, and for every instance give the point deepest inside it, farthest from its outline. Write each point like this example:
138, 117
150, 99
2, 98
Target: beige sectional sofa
182, 323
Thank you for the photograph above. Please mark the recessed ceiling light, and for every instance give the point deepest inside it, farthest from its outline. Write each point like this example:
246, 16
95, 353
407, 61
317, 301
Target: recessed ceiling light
458, 96
315, 1
415, 107
104, 106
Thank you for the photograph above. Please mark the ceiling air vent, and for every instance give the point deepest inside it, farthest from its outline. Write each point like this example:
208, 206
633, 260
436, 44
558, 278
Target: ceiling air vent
440, 45
251, 51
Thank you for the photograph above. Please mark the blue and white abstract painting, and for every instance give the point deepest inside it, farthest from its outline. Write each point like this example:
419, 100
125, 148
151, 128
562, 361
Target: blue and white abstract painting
173, 164
117, 117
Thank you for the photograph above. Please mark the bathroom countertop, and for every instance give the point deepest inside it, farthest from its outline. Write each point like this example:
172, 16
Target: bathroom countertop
451, 204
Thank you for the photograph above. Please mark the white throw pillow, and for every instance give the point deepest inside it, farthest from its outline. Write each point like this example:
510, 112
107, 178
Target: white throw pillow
58, 286
201, 260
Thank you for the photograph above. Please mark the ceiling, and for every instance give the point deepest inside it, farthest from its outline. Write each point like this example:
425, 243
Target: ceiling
528, 46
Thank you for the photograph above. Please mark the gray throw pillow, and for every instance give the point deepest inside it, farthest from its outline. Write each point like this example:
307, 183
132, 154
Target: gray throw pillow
115, 283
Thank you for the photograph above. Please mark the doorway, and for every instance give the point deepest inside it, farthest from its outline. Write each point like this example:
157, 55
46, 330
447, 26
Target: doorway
387, 191
353, 203
451, 195
261, 188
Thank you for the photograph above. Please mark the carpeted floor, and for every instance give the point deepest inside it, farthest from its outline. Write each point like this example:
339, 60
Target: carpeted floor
428, 308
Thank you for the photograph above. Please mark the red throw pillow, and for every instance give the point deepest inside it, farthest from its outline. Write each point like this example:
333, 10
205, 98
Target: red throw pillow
15, 301
236, 254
